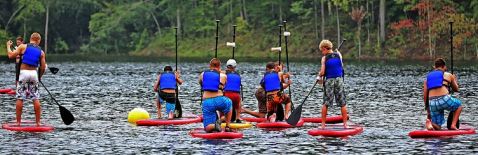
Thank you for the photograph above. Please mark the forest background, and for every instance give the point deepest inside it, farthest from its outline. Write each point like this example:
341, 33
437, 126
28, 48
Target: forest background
375, 29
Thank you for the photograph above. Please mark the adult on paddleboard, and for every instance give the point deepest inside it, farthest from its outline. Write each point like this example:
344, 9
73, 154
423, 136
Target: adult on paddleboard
32, 57
232, 89
18, 42
331, 76
274, 82
166, 87
212, 82
437, 98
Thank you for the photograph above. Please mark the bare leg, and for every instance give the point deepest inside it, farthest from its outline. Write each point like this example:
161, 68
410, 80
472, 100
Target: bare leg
455, 118
287, 110
159, 109
428, 124
324, 115
344, 115
228, 117
209, 128
36, 106
19, 110
254, 113
171, 115
238, 112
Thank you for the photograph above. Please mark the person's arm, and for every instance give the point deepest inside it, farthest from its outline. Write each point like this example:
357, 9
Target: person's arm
223, 79
178, 77
13, 54
200, 79
156, 84
42, 64
425, 99
322, 70
340, 56
454, 83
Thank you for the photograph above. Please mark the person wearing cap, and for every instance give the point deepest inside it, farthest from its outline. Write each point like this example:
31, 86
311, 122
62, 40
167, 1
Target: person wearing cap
165, 85
232, 89
212, 82
274, 83
437, 97
332, 71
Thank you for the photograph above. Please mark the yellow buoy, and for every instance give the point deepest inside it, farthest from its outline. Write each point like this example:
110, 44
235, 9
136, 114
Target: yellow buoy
137, 114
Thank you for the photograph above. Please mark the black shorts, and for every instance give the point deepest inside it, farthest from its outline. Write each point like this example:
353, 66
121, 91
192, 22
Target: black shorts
168, 97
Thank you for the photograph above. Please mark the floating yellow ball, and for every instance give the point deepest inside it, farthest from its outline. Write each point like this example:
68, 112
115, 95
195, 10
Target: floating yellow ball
137, 114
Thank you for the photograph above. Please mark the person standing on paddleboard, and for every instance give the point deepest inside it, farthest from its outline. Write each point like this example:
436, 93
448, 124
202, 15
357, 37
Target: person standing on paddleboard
232, 89
212, 82
166, 87
274, 82
18, 42
32, 57
435, 92
331, 76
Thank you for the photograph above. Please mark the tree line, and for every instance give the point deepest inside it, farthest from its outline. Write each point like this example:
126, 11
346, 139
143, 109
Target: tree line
396, 29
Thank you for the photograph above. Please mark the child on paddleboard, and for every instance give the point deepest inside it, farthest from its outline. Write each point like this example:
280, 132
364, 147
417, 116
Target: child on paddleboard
166, 85
331, 76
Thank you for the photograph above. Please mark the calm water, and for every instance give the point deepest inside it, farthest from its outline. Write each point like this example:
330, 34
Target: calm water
384, 98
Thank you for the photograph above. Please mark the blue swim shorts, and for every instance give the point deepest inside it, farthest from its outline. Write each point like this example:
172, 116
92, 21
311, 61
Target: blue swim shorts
439, 104
211, 105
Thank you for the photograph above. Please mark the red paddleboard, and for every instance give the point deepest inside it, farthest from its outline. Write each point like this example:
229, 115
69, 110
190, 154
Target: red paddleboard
176, 121
464, 130
27, 126
328, 120
5, 90
279, 124
200, 133
12, 92
336, 131
254, 119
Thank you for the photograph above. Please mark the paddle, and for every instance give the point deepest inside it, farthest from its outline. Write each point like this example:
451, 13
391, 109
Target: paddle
452, 113
53, 70
296, 114
233, 45
66, 115
217, 36
178, 107
286, 35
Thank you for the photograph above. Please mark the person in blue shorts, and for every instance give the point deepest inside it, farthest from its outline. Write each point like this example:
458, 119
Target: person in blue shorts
437, 98
212, 82
166, 87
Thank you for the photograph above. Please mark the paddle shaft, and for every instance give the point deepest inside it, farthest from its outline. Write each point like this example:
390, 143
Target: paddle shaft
49, 93
451, 46
280, 42
286, 38
233, 39
217, 37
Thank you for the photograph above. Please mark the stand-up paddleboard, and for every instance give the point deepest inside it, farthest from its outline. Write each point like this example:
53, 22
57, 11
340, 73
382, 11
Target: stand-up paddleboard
27, 126
177, 121
237, 125
328, 120
254, 119
200, 133
464, 130
279, 124
5, 90
336, 131
12, 92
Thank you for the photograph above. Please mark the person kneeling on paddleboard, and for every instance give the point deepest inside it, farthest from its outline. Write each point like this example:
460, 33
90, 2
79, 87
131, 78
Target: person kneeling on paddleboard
332, 70
261, 104
272, 82
212, 82
437, 98
232, 88
32, 57
166, 84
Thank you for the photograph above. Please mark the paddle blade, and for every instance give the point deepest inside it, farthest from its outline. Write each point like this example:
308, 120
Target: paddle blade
295, 116
66, 115
54, 70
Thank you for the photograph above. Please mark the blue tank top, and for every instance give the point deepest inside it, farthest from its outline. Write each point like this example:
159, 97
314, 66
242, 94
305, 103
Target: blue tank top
32, 55
333, 66
211, 80
167, 80
271, 81
233, 83
435, 79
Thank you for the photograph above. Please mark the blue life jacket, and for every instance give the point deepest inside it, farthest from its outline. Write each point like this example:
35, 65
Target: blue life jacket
167, 80
271, 81
32, 55
333, 66
435, 79
233, 83
211, 80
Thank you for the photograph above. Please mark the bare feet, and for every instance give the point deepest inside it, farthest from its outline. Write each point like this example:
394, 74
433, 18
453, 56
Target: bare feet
323, 125
453, 127
159, 116
345, 125
38, 124
428, 125
272, 118
171, 115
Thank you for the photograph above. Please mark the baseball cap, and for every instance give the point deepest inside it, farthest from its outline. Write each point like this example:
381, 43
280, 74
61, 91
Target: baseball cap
231, 62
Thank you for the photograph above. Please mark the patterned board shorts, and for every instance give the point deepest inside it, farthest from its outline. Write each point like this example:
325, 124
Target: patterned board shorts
27, 86
439, 104
334, 88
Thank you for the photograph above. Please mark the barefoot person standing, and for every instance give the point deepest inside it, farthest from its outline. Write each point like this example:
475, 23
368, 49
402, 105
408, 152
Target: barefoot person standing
32, 58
